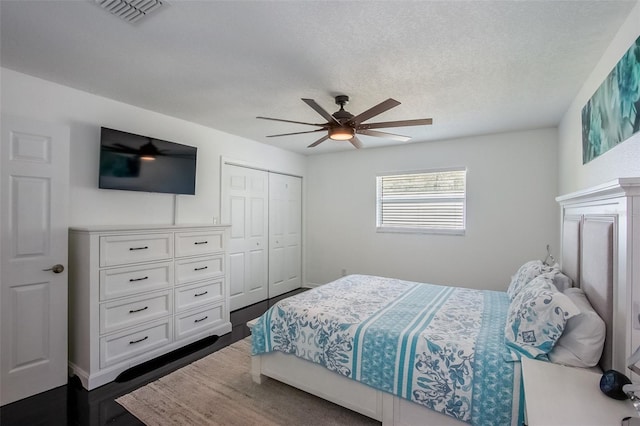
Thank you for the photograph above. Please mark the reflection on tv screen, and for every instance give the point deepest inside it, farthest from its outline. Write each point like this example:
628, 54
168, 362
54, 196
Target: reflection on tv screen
139, 163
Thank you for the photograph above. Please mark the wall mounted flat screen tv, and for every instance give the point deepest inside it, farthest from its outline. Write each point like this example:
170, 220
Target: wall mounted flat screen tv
140, 163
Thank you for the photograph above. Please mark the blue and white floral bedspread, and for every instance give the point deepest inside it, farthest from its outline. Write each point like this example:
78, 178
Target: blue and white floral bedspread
442, 347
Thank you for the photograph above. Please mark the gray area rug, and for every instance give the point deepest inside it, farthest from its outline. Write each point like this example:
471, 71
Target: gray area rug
218, 390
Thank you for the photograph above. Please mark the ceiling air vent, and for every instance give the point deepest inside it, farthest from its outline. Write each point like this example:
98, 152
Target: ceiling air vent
131, 10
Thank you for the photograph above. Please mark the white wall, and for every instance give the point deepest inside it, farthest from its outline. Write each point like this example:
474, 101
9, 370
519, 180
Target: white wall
512, 182
85, 113
621, 161
511, 211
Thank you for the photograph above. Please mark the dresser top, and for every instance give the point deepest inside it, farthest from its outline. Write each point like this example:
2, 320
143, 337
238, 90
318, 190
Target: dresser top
158, 227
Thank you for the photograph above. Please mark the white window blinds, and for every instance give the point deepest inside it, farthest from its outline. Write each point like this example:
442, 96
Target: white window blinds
422, 202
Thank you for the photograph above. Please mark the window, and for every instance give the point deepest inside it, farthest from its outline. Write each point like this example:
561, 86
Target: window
430, 202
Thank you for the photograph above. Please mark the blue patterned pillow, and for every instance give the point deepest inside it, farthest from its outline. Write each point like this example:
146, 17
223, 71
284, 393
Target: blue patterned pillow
525, 274
537, 316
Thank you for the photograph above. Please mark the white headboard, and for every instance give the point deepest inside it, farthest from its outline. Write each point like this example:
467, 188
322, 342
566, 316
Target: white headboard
600, 240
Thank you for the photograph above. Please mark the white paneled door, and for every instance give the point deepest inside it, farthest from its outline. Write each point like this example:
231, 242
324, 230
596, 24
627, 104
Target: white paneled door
245, 195
285, 233
34, 183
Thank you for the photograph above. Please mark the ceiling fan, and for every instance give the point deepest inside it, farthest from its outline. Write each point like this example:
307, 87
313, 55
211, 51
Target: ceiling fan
343, 126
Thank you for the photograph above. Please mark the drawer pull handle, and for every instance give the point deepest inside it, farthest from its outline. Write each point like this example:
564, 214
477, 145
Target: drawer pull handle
133, 342
138, 248
200, 269
201, 242
201, 319
138, 279
200, 294
133, 311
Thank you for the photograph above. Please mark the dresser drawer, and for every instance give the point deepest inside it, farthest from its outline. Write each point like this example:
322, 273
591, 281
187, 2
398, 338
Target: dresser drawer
198, 321
134, 310
123, 249
118, 347
198, 269
195, 243
119, 282
195, 295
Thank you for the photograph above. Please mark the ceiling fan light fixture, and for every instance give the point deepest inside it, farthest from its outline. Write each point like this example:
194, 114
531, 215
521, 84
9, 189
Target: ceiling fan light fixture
147, 157
342, 133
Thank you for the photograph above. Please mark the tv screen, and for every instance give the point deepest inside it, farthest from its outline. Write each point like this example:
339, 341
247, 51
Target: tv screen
140, 163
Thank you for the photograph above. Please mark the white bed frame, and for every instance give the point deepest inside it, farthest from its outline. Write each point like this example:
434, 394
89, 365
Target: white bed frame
601, 243
602, 223
348, 393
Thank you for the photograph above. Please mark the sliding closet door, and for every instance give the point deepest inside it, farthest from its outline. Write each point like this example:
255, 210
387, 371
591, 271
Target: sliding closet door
285, 233
245, 206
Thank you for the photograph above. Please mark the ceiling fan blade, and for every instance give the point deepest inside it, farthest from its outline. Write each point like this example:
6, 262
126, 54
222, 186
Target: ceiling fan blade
375, 133
291, 121
401, 123
373, 111
313, 104
297, 133
356, 142
319, 141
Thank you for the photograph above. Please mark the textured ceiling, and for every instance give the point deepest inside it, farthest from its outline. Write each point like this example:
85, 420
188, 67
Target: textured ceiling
475, 67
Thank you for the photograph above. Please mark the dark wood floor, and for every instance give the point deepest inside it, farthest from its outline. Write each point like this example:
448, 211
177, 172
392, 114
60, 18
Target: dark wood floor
73, 405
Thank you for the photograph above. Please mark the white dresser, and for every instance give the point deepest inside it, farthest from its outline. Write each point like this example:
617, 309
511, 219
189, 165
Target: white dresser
138, 292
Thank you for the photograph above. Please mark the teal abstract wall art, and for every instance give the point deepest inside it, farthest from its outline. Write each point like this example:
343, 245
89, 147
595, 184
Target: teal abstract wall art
612, 114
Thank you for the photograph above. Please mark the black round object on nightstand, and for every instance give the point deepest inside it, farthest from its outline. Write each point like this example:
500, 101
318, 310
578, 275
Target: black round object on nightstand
611, 384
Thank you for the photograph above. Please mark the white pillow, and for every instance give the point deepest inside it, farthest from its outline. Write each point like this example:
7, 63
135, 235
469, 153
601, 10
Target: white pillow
561, 281
582, 341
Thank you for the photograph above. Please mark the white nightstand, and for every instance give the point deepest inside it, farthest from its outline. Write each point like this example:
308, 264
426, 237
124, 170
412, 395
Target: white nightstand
563, 396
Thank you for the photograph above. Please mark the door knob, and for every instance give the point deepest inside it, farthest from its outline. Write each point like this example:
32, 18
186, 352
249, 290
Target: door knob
55, 268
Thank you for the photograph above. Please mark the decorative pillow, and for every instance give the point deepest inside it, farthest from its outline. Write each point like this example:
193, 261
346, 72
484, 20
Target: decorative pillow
582, 341
537, 317
525, 274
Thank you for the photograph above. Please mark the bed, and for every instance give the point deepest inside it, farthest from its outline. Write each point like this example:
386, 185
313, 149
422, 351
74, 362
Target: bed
441, 347
482, 374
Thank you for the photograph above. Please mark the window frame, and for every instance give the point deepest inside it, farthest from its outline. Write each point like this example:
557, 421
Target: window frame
420, 230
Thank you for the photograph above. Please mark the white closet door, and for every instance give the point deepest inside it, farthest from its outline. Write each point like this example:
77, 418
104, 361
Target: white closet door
285, 230
245, 205
34, 202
